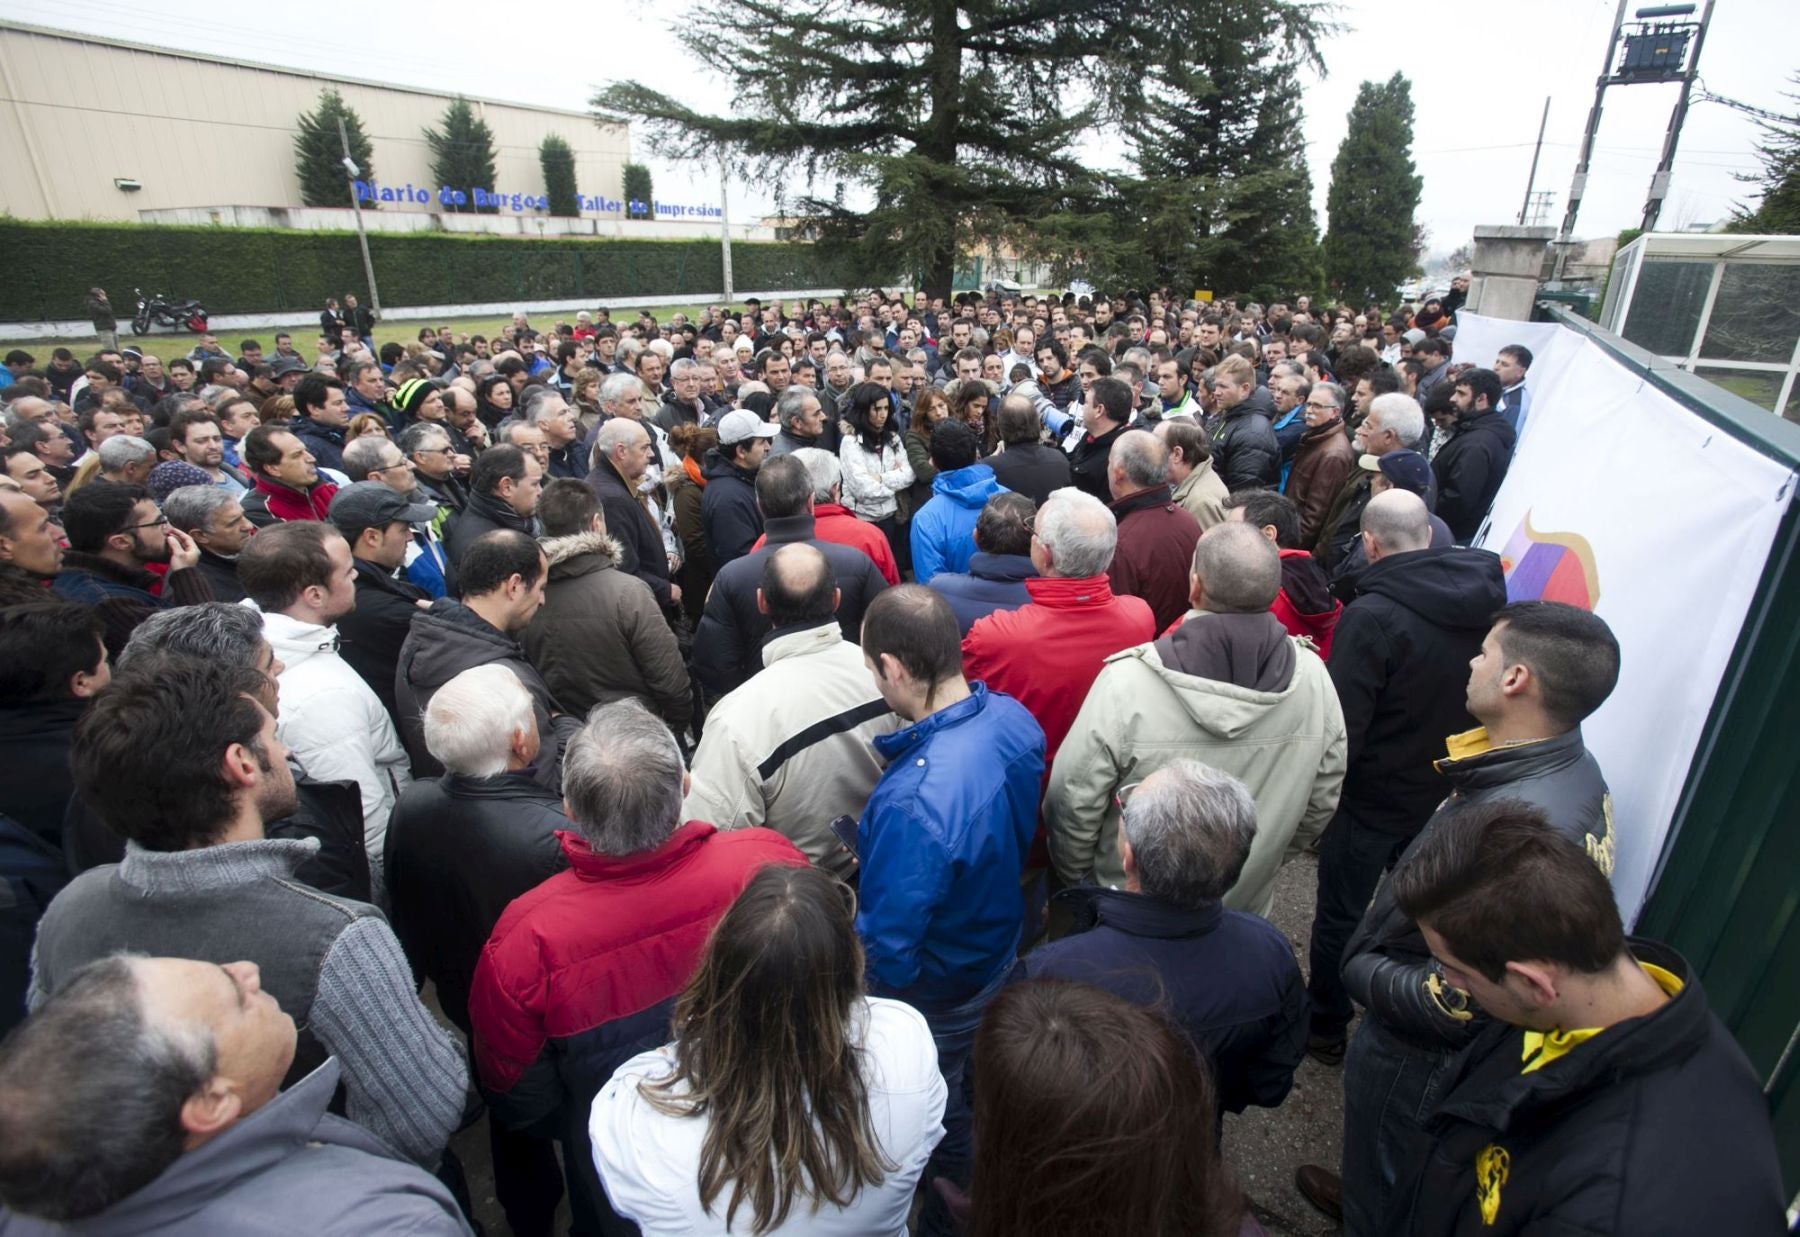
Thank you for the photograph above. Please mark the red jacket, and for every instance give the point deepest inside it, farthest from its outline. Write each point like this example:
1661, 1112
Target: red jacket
1047, 653
284, 505
1305, 605
580, 973
1156, 551
833, 522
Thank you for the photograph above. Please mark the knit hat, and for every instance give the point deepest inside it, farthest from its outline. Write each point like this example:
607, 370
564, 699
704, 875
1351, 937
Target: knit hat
412, 393
171, 475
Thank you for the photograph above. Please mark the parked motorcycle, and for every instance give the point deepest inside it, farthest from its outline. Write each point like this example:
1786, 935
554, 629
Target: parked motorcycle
156, 309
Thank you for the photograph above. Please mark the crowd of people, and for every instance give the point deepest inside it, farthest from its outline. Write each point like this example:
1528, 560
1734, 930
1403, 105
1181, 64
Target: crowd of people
817, 767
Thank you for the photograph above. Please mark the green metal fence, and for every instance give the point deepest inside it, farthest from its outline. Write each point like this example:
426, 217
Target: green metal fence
1727, 891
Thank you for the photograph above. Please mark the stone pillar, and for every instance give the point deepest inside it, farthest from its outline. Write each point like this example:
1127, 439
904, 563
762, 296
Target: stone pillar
1503, 278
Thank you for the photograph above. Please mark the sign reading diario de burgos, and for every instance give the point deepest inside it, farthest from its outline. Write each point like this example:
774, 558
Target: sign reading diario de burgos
481, 199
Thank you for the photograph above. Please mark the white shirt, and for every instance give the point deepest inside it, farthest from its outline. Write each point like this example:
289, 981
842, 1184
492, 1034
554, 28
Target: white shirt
649, 1160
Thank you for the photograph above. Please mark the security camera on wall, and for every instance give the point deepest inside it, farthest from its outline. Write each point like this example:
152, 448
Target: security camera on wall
126, 184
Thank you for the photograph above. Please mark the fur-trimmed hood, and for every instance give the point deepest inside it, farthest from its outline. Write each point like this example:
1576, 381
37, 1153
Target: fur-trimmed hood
563, 551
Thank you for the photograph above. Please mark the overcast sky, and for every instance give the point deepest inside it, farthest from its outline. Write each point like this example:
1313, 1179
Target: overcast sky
1480, 72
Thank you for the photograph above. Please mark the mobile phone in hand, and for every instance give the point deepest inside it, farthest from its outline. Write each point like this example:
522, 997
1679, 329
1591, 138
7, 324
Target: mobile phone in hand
845, 829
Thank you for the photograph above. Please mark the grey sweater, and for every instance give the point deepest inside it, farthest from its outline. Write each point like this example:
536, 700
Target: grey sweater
405, 1076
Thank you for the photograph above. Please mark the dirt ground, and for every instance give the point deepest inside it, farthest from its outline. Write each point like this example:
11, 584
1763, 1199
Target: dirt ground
1263, 1145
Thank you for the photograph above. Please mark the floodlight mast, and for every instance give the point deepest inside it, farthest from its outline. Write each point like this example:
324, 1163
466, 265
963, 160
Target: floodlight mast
351, 172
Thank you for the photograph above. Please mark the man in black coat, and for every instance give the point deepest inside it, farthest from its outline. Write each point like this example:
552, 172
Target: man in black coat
460, 847
52, 663
1245, 451
1605, 1097
1399, 660
1541, 669
502, 578
503, 493
1026, 465
728, 509
1227, 979
728, 644
1104, 417
623, 450
1471, 466
378, 524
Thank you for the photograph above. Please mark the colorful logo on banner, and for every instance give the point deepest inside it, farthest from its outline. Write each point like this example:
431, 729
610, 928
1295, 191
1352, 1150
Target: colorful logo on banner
1550, 567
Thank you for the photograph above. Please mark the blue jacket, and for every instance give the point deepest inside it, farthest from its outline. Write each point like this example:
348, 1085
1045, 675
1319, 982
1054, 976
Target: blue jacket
942, 842
943, 530
993, 582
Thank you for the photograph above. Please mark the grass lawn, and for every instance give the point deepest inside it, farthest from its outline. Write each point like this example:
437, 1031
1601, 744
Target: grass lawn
166, 344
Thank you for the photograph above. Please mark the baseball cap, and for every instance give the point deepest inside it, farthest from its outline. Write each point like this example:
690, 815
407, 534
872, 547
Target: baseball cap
290, 365
737, 425
1406, 470
370, 504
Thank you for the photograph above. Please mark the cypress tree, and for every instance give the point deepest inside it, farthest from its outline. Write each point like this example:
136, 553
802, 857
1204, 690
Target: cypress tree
558, 162
462, 154
1371, 241
958, 116
638, 188
318, 154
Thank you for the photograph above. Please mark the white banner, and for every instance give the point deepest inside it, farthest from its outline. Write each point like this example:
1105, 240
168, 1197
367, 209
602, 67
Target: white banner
1622, 500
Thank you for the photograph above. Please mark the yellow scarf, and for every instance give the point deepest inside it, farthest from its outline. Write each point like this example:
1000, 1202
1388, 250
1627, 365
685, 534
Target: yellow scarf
1542, 1047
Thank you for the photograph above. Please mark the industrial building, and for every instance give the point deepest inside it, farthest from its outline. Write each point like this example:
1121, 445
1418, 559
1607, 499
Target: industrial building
99, 129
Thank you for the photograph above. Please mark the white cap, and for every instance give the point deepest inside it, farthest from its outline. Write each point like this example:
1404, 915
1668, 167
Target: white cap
739, 424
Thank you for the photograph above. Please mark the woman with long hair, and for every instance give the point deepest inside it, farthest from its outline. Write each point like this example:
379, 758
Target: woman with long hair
1092, 1119
493, 399
929, 407
969, 403
687, 487
876, 471
790, 1101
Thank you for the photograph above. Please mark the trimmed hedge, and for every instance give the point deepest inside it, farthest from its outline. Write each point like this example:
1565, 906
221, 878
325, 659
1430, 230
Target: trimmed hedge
271, 270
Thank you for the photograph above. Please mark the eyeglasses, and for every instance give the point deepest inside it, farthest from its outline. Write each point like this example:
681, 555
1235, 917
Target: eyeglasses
132, 528
1326, 407
1123, 795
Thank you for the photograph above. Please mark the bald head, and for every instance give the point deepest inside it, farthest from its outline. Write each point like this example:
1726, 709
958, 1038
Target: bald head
799, 588
1237, 570
1396, 522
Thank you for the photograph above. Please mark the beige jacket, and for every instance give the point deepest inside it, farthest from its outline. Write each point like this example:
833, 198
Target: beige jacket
1203, 494
1288, 747
792, 749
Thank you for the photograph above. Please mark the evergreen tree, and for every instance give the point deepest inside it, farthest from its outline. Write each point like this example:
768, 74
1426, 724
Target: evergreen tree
639, 189
1370, 244
1269, 247
959, 116
1777, 184
462, 153
1210, 146
319, 154
558, 162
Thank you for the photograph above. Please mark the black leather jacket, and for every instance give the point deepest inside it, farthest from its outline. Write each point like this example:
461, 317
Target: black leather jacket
1387, 968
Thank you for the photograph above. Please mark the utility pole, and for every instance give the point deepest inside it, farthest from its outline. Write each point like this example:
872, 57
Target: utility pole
1659, 180
362, 237
1578, 185
1531, 177
725, 229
